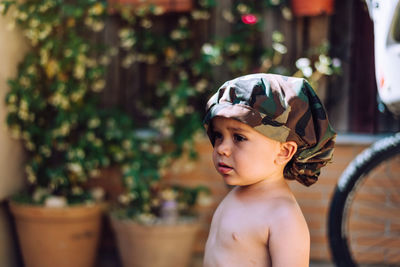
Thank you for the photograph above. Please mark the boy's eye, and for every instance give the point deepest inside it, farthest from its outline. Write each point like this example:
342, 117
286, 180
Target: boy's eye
217, 135
239, 138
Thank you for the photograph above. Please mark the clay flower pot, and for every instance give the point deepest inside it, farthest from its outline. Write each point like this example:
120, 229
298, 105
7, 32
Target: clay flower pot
61, 237
312, 7
161, 245
166, 5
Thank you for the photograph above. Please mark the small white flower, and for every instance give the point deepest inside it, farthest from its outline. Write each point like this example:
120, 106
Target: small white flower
125, 33
183, 21
33, 23
287, 13
280, 48
128, 60
94, 173
127, 144
98, 193
76, 190
177, 35
75, 168
97, 26
45, 150
55, 202
22, 16
123, 199
31, 70
208, 49
90, 136
228, 16
201, 85
278, 37
234, 48
156, 149
324, 59
242, 8
105, 60
323, 68
158, 10
79, 71
146, 23
12, 99
180, 111
307, 71
98, 85
200, 14
302, 63
94, 123
336, 62
30, 146
12, 108
39, 193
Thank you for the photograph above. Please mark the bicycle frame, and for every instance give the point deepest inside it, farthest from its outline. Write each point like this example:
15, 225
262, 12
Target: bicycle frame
386, 19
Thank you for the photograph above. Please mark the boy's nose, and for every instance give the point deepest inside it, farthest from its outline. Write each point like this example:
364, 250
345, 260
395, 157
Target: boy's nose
224, 148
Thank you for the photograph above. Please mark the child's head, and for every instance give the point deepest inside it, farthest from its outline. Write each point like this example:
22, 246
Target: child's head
243, 156
285, 110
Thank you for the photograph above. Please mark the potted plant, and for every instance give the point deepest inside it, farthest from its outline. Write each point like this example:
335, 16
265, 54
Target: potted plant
52, 109
312, 7
156, 224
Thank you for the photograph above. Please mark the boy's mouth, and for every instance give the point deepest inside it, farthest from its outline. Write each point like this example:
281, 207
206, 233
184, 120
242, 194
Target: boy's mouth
224, 168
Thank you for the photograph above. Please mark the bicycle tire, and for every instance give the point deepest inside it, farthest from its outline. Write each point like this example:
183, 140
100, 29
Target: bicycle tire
349, 182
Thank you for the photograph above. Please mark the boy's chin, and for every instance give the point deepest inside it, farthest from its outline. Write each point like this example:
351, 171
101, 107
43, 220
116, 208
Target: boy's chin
228, 180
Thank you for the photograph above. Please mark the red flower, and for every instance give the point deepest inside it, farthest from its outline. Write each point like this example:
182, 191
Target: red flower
249, 19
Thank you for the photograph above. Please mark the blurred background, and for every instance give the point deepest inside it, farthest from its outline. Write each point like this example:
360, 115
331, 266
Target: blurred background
103, 101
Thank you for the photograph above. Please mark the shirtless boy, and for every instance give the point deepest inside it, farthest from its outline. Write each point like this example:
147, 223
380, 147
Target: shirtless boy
264, 128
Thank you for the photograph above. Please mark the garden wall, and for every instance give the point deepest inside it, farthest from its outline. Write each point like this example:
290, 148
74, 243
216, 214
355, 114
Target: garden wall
12, 48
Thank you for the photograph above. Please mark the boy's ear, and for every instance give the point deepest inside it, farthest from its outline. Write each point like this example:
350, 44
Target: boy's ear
287, 150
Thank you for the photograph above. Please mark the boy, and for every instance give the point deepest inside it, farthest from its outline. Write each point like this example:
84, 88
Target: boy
264, 128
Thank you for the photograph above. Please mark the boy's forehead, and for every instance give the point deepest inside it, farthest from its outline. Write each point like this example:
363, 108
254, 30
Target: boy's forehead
222, 122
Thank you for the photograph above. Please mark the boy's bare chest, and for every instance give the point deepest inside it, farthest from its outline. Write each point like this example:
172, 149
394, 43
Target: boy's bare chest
236, 224
239, 235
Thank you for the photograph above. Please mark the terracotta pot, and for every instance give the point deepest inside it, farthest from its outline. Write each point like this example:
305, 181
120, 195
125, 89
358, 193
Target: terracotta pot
62, 237
167, 5
154, 245
312, 7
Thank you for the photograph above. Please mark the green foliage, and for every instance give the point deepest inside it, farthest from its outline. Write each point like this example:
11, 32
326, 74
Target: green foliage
52, 103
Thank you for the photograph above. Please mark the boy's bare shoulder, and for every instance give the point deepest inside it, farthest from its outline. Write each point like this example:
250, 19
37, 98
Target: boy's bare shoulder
274, 210
288, 233
282, 208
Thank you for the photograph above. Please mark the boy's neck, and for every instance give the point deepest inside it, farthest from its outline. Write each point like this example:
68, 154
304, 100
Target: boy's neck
265, 184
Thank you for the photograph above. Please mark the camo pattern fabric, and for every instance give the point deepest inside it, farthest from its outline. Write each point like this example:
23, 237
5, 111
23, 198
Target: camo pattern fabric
281, 108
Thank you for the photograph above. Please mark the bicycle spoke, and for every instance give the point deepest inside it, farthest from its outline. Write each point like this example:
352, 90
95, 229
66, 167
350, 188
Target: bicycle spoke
375, 211
375, 248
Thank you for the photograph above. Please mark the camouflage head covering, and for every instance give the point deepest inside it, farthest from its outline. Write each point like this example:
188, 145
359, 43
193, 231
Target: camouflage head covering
281, 108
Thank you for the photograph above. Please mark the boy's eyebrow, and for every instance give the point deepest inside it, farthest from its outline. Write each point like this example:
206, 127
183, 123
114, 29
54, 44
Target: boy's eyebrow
231, 128
236, 129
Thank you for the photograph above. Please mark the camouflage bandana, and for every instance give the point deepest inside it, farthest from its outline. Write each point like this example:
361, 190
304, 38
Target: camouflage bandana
281, 108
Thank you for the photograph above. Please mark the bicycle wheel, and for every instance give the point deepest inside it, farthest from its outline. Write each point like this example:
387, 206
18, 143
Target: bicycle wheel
364, 216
